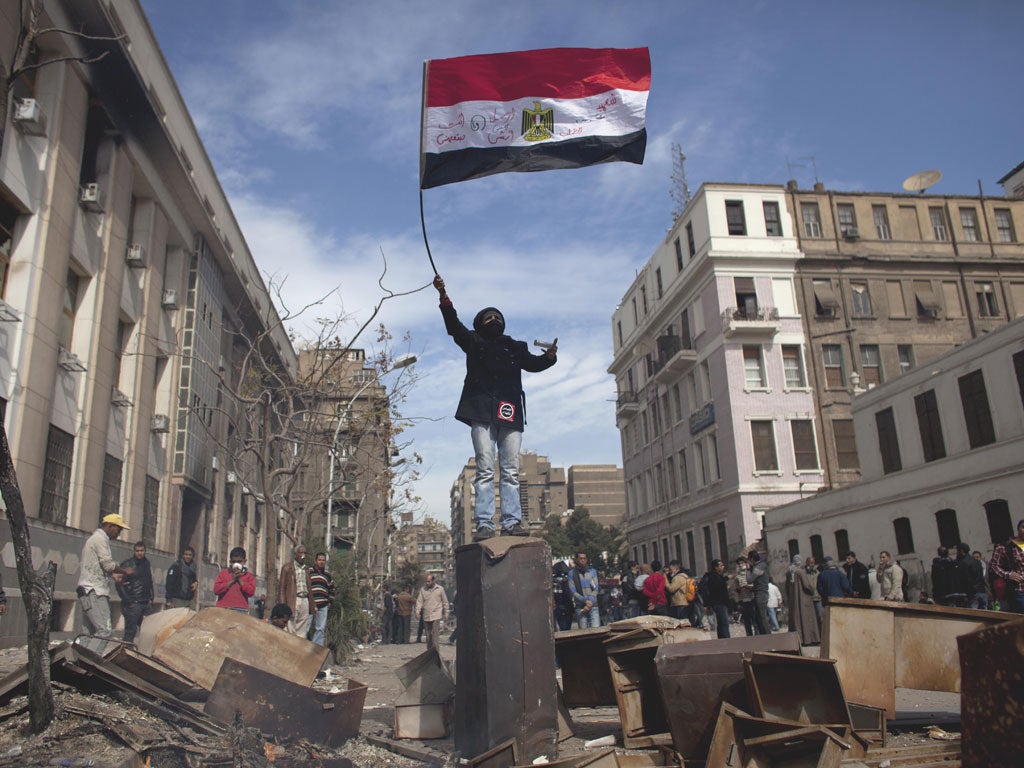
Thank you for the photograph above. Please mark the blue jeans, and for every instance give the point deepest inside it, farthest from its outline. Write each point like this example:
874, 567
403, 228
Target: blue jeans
321, 624
591, 618
488, 439
1012, 602
980, 601
721, 619
773, 618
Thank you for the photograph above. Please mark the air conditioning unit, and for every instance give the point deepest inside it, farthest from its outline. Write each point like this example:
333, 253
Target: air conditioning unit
119, 399
135, 255
161, 423
215, 463
29, 117
852, 233
69, 361
827, 312
230, 478
169, 300
91, 197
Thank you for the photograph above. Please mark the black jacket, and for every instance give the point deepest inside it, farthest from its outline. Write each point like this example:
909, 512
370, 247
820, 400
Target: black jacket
137, 588
718, 588
859, 580
492, 392
973, 576
946, 578
180, 578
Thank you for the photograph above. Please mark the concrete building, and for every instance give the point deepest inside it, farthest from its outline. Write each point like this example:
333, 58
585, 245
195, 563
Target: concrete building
714, 406
600, 489
542, 492
889, 282
127, 290
941, 450
428, 543
1013, 182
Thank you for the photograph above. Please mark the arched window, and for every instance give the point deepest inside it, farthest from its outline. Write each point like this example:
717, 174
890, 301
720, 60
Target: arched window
842, 543
817, 550
1000, 528
949, 531
794, 549
904, 536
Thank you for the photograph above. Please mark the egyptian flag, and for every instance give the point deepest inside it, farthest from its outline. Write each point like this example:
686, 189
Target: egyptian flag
532, 111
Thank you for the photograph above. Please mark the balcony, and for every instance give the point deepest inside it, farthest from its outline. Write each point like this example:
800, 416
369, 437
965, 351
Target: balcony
627, 403
675, 357
762, 322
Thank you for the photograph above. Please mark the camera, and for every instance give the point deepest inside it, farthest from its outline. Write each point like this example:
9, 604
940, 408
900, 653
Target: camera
237, 566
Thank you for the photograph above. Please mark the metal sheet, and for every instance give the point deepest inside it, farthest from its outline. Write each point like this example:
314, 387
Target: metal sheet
284, 709
879, 645
992, 695
505, 688
695, 678
199, 648
157, 673
157, 627
426, 680
796, 689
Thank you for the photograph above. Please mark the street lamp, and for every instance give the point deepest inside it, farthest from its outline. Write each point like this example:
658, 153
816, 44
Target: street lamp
403, 362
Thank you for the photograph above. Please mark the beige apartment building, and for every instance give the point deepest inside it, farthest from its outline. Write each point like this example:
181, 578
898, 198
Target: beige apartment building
428, 543
600, 489
888, 282
127, 293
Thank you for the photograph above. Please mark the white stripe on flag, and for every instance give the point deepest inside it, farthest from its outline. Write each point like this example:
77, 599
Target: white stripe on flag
492, 124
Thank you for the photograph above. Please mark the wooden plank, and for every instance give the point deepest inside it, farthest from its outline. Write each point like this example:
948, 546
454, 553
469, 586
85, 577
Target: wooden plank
198, 648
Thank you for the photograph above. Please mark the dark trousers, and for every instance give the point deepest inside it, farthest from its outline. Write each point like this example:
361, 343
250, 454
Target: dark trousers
133, 614
761, 614
419, 628
749, 615
385, 627
404, 624
721, 620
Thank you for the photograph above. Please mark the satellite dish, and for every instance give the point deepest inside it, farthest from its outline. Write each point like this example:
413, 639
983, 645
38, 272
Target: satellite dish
919, 182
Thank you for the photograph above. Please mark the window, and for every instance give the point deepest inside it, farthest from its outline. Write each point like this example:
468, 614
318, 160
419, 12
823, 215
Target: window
904, 536
677, 401
977, 415
985, 294
53, 504
673, 489
949, 531
951, 298
684, 473
678, 541
1000, 529
888, 442
684, 329
938, 219
804, 450
1018, 369
847, 220
708, 554
794, 548
713, 457
8, 216
618, 327
772, 220
881, 217
746, 298
817, 549
930, 425
812, 219
150, 509
905, 352
702, 472
894, 294
643, 553
66, 323
765, 457
734, 217
825, 301
636, 316
691, 550
753, 368
679, 254
705, 380
691, 244
793, 367
861, 299
969, 225
110, 490
723, 541
842, 543
643, 298
832, 357
870, 365
1004, 226
927, 301
657, 280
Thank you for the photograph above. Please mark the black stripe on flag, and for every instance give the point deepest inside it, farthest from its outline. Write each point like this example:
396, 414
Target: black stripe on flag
461, 165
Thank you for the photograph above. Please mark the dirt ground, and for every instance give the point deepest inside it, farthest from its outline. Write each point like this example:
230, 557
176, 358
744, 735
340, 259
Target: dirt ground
74, 736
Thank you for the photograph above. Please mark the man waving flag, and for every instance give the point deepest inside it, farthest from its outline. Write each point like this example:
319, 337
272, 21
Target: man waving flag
532, 111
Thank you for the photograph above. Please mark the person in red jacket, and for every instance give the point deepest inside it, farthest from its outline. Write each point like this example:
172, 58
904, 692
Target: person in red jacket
654, 591
234, 585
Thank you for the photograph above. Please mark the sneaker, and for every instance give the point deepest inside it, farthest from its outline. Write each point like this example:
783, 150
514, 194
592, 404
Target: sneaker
516, 529
483, 532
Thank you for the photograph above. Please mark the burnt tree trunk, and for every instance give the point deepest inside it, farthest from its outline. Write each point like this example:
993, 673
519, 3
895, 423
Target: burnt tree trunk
36, 592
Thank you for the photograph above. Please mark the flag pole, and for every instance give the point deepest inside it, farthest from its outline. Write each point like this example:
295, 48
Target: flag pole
423, 118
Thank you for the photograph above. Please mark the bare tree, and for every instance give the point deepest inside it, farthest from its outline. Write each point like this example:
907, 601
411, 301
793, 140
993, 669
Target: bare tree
36, 585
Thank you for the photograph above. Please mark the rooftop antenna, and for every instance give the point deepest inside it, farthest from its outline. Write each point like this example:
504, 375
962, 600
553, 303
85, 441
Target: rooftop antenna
680, 192
919, 182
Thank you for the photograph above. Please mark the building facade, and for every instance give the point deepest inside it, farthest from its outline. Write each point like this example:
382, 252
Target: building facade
600, 489
428, 543
714, 407
126, 288
941, 448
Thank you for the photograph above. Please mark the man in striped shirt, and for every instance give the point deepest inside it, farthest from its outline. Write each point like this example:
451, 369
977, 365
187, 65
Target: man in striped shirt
322, 586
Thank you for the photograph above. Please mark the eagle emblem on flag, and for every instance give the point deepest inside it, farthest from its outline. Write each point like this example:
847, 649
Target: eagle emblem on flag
538, 123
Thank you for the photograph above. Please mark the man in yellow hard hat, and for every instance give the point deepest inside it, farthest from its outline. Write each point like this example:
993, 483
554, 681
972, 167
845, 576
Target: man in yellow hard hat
98, 565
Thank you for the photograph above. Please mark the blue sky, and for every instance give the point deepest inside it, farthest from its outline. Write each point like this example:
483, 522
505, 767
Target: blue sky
310, 113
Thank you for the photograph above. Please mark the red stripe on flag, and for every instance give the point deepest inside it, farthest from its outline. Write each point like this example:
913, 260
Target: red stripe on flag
564, 73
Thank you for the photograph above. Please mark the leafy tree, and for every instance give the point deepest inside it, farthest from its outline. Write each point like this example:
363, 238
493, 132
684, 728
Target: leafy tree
410, 574
581, 533
347, 622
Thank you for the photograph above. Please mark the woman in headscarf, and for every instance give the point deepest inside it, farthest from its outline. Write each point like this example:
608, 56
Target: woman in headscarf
800, 596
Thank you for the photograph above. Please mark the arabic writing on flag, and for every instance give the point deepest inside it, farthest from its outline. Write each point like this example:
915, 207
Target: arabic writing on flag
532, 111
